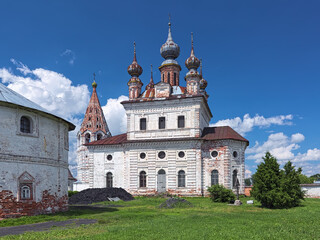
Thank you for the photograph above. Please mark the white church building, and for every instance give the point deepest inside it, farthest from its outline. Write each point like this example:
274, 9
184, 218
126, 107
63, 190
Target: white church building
168, 146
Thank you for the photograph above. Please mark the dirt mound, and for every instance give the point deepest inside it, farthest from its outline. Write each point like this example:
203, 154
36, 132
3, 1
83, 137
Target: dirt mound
176, 203
99, 195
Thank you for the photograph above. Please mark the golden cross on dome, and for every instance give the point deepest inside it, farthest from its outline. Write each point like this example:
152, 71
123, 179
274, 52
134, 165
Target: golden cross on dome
94, 76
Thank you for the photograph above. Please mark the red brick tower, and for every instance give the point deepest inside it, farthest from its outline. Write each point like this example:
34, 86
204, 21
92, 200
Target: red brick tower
94, 126
170, 69
135, 84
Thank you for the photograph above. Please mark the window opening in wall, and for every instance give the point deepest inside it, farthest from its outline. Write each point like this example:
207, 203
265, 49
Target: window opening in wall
180, 121
214, 154
168, 77
25, 125
25, 192
109, 157
99, 136
162, 154
142, 155
162, 122
181, 179
143, 123
163, 77
214, 177
109, 180
175, 79
143, 179
181, 154
234, 178
235, 154
87, 138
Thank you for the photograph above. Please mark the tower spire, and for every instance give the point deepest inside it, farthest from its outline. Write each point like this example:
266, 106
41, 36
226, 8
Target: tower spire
151, 83
134, 51
94, 84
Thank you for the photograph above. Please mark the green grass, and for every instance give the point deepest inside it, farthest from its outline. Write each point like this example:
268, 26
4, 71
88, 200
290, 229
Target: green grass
143, 219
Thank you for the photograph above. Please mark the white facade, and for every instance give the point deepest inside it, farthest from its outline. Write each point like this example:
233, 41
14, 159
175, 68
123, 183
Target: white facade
33, 160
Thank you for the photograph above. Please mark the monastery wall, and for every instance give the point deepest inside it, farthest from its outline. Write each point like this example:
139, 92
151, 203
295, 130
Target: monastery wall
38, 160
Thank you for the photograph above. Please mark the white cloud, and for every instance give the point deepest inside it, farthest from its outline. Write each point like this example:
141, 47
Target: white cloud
115, 115
247, 124
248, 173
298, 137
70, 54
51, 90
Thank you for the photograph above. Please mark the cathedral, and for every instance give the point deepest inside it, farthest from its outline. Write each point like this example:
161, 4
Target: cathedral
168, 146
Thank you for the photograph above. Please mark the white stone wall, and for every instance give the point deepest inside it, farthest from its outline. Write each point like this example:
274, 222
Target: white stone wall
311, 190
197, 116
43, 153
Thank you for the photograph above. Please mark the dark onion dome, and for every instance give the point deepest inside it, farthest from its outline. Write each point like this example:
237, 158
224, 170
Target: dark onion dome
151, 83
94, 84
192, 62
134, 69
170, 50
203, 82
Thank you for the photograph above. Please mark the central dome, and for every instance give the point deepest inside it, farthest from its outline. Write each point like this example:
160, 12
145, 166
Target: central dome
170, 50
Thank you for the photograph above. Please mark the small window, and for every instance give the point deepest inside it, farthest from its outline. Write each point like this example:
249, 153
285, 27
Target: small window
25, 192
87, 138
168, 77
109, 180
234, 178
109, 157
143, 179
214, 177
235, 154
143, 123
214, 154
162, 154
142, 155
163, 77
99, 136
162, 122
181, 179
181, 154
175, 79
180, 121
25, 125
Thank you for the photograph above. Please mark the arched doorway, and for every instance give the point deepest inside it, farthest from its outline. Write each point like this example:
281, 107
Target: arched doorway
161, 181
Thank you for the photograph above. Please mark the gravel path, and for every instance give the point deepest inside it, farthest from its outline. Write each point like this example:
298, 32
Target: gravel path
37, 227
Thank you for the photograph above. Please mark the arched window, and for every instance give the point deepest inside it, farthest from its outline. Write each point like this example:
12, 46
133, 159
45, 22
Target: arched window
175, 79
87, 138
214, 177
163, 77
143, 179
234, 178
25, 192
181, 179
109, 180
99, 136
168, 77
25, 125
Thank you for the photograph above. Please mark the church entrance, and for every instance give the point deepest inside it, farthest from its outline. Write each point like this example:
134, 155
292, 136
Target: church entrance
161, 181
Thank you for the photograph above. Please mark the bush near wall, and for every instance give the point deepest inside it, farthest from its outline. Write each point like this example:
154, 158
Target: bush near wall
219, 193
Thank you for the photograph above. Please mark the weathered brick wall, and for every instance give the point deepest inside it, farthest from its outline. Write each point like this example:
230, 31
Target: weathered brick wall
10, 207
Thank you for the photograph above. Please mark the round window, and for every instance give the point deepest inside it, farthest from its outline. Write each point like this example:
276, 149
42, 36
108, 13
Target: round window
214, 154
142, 155
162, 154
109, 157
181, 154
235, 154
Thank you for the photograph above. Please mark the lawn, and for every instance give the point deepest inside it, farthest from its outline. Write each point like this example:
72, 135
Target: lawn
142, 219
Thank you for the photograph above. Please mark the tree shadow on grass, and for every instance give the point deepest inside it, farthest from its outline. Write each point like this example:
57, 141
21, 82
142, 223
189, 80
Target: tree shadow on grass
79, 210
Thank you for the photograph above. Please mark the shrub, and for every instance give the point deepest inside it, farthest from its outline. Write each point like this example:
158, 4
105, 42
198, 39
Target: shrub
219, 193
276, 188
71, 193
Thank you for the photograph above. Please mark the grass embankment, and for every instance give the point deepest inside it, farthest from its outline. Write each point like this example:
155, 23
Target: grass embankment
142, 219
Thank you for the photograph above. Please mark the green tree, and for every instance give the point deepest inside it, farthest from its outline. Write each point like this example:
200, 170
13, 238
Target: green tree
219, 193
248, 182
305, 179
276, 188
316, 176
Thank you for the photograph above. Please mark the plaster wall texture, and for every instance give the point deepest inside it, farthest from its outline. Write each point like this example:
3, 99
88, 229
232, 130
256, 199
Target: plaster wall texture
42, 154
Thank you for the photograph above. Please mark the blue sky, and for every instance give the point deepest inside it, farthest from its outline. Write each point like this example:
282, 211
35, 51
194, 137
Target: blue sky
259, 57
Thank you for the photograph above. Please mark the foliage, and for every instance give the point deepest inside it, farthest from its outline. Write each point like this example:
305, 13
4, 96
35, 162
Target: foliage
276, 188
316, 176
305, 179
219, 193
248, 181
71, 193
143, 219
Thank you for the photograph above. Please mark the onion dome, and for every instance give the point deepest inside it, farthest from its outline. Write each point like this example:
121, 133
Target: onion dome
170, 50
203, 82
134, 69
151, 83
94, 84
192, 62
